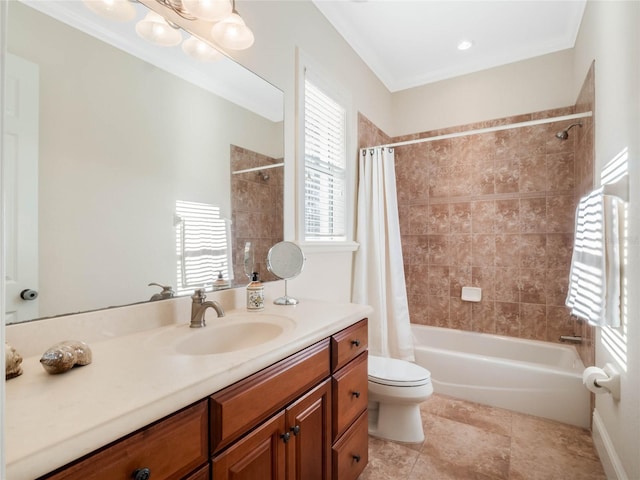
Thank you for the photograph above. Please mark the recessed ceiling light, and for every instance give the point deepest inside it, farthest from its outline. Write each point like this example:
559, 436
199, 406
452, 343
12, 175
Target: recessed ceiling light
465, 45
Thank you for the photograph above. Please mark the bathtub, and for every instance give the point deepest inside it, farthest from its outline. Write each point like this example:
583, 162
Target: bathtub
527, 376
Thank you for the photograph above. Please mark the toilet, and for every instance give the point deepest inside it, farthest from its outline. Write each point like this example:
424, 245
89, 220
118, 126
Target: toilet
396, 389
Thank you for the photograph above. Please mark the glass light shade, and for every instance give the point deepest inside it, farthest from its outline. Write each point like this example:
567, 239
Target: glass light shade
118, 10
155, 29
211, 10
232, 33
196, 48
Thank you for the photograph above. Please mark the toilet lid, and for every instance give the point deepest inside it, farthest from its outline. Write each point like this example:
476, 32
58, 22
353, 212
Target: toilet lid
390, 371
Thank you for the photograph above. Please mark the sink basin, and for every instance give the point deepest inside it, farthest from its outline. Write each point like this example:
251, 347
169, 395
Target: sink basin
227, 334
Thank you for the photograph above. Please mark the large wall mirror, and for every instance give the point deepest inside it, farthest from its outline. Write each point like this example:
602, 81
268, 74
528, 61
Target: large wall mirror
113, 149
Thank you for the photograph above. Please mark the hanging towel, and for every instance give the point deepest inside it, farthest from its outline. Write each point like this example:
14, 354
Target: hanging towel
594, 279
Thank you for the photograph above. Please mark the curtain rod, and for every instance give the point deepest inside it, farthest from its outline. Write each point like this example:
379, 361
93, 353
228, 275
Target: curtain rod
255, 169
489, 129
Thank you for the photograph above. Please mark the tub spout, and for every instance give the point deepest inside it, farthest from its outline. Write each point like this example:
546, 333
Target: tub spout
571, 338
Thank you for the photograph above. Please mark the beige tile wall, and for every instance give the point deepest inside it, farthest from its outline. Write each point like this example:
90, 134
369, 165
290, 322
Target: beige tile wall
256, 206
494, 211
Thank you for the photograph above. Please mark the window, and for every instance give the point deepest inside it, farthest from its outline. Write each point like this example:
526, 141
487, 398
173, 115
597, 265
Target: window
202, 245
324, 165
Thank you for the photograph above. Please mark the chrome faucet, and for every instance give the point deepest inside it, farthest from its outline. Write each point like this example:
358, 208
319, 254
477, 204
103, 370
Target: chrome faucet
199, 307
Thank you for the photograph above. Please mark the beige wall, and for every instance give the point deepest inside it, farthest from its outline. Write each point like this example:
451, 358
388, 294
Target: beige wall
541, 83
609, 35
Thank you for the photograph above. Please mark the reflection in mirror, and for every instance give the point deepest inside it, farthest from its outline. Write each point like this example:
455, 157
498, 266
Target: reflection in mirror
285, 260
114, 144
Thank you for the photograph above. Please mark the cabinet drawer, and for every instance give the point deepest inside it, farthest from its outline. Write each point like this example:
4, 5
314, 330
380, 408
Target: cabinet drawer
351, 453
243, 405
348, 344
202, 474
350, 394
170, 449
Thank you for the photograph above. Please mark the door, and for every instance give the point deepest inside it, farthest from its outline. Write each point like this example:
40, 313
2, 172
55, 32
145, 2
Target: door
260, 455
309, 448
20, 184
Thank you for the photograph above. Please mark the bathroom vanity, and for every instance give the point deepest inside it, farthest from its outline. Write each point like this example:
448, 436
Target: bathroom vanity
295, 406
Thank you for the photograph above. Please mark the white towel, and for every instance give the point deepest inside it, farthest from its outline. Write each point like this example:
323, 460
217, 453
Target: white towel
594, 280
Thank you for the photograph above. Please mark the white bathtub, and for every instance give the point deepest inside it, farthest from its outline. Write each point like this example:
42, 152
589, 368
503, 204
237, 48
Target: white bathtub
528, 376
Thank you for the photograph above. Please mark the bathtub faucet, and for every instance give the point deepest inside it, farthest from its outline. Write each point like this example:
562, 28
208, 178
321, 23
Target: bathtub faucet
571, 338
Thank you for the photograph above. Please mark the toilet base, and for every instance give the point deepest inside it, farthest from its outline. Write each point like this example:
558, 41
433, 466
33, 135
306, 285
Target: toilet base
397, 422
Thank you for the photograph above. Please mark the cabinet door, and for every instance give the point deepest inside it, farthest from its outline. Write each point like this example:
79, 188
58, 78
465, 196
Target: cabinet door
260, 455
309, 423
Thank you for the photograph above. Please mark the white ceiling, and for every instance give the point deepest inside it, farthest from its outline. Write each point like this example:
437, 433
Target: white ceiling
412, 43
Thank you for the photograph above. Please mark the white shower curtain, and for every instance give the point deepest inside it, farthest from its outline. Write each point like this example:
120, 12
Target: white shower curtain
378, 272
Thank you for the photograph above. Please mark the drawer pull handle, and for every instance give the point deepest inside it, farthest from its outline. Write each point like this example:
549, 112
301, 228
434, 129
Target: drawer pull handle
295, 429
141, 474
285, 437
355, 394
356, 458
355, 343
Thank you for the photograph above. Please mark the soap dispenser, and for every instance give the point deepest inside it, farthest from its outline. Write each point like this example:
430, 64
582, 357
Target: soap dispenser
255, 293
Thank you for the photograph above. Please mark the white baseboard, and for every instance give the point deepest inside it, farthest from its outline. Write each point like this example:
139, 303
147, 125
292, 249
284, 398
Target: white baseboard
610, 461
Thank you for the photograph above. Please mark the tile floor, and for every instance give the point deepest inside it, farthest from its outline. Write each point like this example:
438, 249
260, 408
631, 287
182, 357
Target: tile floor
469, 441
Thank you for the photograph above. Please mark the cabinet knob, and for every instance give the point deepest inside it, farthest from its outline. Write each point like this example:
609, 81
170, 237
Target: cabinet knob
355, 343
295, 429
141, 474
285, 437
355, 394
356, 458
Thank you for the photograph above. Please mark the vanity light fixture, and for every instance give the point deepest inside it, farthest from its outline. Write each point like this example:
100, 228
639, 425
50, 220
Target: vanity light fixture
155, 29
196, 48
232, 33
229, 29
118, 10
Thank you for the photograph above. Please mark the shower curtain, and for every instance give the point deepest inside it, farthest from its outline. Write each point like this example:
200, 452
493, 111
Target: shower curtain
378, 271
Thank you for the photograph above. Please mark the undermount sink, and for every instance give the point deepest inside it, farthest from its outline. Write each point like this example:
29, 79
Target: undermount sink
222, 335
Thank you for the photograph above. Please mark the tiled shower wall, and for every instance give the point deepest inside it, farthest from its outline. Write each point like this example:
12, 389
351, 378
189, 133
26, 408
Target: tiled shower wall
256, 210
495, 211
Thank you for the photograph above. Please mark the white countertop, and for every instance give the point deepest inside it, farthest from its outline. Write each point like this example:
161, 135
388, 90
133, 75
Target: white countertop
54, 419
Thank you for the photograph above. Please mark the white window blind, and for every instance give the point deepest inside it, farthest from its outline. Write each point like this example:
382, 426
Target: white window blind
325, 166
202, 245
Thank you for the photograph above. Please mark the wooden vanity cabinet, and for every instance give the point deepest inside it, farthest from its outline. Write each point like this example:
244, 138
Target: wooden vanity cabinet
302, 418
295, 441
175, 447
350, 400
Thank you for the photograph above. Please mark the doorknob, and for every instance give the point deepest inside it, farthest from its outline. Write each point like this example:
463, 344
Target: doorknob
28, 294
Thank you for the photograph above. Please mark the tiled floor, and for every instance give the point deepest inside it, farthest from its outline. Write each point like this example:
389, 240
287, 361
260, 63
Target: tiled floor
468, 441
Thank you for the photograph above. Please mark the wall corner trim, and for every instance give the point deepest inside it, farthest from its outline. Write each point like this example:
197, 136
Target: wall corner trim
610, 461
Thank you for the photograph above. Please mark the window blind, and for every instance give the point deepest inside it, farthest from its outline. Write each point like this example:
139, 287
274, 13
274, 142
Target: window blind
202, 245
325, 165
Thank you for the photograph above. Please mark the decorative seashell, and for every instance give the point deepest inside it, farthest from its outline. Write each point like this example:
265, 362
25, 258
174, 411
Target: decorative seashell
13, 361
64, 356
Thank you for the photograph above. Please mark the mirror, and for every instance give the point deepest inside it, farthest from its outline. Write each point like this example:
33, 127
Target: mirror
120, 132
285, 260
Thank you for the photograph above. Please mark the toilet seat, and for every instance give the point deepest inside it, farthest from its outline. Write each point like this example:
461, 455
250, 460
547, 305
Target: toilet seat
398, 373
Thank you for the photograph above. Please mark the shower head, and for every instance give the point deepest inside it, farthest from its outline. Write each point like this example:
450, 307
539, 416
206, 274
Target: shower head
263, 176
564, 134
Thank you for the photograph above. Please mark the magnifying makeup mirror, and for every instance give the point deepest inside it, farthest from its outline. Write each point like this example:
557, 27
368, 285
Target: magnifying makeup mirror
285, 260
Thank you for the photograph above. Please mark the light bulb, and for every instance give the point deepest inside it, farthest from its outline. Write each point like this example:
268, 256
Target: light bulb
211, 10
118, 10
155, 29
232, 33
196, 48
